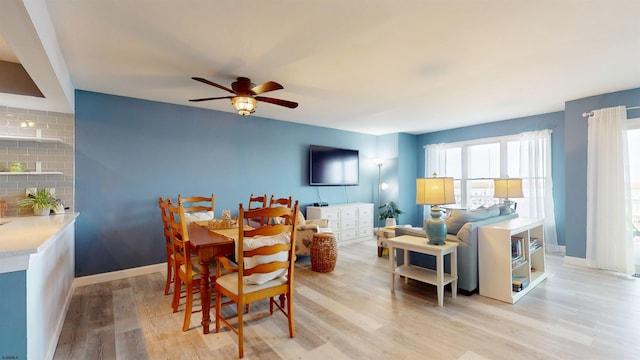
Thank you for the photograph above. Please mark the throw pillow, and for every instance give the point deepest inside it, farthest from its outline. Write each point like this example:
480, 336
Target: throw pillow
259, 241
458, 218
493, 210
300, 221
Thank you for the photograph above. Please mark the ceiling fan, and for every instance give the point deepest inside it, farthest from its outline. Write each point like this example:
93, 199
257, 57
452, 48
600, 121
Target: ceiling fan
245, 93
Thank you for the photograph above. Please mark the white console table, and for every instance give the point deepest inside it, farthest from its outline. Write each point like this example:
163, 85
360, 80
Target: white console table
349, 223
438, 277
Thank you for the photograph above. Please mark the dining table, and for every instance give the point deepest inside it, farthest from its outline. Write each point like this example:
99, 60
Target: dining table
208, 245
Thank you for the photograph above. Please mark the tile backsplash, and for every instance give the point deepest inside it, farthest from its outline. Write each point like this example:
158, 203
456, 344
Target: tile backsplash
51, 156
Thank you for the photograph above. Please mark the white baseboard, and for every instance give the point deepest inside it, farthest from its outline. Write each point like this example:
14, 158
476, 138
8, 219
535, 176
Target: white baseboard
117, 275
576, 261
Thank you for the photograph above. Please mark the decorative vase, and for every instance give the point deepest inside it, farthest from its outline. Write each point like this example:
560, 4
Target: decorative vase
388, 222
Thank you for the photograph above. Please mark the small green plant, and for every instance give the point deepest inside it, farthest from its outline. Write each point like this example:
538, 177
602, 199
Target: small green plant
41, 201
389, 210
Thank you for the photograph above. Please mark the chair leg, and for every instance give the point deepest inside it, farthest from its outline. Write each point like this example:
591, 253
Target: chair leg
167, 285
240, 331
177, 284
292, 325
218, 310
187, 308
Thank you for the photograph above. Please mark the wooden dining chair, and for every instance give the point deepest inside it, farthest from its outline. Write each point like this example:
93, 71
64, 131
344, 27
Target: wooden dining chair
273, 202
186, 267
166, 225
265, 268
198, 207
257, 202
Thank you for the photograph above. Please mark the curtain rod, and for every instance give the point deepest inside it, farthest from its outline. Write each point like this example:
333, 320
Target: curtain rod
590, 113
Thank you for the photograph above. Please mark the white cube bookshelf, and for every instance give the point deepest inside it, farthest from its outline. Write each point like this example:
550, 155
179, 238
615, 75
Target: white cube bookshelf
497, 266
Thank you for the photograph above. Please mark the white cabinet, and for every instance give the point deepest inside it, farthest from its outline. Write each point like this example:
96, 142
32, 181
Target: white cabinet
509, 252
348, 222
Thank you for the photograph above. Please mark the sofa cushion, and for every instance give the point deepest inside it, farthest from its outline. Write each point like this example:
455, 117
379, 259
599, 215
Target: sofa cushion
458, 218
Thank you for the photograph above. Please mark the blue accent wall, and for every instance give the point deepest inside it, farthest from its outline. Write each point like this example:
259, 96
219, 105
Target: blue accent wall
407, 174
13, 322
576, 162
131, 151
553, 121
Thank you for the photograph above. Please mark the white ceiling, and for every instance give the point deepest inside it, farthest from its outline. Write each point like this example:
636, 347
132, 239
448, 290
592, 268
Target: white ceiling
376, 67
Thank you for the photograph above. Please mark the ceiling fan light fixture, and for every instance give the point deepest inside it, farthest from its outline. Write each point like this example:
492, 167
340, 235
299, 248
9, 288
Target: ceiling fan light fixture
244, 104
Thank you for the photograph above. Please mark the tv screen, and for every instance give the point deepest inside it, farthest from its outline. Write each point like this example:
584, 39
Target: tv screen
333, 166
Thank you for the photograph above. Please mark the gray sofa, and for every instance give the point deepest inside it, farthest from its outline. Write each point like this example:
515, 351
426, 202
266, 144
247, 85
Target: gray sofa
462, 227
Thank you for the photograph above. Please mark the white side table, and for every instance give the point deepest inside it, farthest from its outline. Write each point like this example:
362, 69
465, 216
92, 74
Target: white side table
438, 277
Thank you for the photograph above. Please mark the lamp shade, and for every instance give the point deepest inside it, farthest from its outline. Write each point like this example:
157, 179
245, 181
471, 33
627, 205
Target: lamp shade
507, 188
435, 191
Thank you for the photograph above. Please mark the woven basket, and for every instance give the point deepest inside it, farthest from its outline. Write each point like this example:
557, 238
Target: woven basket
324, 252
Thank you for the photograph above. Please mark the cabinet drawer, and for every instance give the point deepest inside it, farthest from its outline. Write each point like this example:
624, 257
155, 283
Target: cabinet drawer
346, 224
331, 214
334, 225
348, 213
365, 222
365, 212
348, 234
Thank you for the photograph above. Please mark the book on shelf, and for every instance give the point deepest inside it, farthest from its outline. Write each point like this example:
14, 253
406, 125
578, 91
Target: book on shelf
534, 244
519, 283
518, 262
516, 247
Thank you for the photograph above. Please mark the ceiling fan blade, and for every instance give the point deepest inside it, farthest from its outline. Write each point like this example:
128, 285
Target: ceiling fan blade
202, 80
289, 104
268, 86
211, 98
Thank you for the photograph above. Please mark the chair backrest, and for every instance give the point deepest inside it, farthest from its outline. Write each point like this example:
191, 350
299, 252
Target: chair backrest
280, 201
180, 237
166, 219
257, 202
194, 204
275, 242
273, 202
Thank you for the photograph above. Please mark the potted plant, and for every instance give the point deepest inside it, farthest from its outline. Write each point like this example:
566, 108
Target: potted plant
41, 201
389, 213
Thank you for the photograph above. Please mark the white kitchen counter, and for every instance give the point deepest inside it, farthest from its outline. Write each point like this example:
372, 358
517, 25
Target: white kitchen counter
23, 236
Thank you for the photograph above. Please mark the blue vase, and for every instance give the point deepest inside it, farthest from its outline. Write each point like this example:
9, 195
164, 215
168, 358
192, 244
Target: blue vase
436, 228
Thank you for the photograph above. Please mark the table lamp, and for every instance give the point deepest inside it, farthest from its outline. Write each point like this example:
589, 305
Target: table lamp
435, 191
507, 188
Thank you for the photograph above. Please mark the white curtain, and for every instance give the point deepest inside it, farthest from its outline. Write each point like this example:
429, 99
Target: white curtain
535, 168
436, 155
436, 159
609, 230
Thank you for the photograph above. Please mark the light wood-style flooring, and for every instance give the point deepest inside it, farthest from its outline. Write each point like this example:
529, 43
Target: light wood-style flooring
350, 313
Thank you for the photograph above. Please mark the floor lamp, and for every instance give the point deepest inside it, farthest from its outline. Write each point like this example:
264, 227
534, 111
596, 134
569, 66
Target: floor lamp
379, 163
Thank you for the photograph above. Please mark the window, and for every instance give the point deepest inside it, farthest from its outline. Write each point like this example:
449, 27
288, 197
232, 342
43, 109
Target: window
475, 164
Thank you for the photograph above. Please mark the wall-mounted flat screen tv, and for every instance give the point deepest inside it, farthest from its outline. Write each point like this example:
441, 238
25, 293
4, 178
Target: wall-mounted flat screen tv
333, 166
